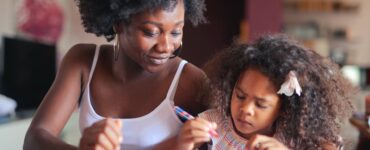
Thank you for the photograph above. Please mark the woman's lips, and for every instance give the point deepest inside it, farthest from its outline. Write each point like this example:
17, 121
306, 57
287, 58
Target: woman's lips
158, 60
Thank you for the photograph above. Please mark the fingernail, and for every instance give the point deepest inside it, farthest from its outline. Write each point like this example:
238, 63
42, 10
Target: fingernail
214, 125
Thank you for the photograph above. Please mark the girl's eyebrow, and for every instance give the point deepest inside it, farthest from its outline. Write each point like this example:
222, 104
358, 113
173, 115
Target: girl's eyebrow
239, 89
261, 99
256, 97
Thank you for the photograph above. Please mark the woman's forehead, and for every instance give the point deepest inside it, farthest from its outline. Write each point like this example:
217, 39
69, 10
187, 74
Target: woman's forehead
175, 14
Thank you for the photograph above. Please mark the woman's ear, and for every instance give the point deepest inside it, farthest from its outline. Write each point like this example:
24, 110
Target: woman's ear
118, 28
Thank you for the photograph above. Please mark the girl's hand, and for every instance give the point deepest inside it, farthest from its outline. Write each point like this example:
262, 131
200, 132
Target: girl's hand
102, 135
194, 133
261, 142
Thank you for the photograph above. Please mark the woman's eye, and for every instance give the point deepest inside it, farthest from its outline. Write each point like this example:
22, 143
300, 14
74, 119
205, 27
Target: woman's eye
177, 33
150, 33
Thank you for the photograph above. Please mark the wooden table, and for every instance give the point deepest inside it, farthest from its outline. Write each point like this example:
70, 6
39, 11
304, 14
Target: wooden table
361, 125
363, 128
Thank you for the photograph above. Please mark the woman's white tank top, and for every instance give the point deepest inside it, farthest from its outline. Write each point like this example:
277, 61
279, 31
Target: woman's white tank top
143, 132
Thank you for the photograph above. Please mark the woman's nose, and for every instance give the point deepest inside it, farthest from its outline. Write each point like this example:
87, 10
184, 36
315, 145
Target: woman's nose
165, 44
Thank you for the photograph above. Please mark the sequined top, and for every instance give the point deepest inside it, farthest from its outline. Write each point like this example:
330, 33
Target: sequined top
228, 138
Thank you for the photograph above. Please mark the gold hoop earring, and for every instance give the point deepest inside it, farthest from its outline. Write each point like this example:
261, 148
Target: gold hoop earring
177, 51
116, 48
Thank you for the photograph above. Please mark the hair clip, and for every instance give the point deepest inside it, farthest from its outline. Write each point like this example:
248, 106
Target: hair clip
290, 85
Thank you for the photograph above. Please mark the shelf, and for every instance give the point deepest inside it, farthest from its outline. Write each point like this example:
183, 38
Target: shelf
321, 6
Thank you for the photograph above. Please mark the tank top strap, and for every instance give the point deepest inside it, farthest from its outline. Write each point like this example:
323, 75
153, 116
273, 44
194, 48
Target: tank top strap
95, 60
172, 90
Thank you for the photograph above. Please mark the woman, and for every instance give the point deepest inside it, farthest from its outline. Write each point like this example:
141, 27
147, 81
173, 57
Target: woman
128, 90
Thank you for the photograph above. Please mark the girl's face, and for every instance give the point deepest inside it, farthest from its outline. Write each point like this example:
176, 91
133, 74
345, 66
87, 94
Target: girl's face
152, 36
255, 104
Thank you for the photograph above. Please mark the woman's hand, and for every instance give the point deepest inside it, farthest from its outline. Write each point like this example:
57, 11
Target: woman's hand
262, 142
102, 135
194, 133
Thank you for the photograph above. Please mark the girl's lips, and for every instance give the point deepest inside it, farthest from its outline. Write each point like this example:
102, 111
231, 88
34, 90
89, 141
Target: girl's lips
245, 122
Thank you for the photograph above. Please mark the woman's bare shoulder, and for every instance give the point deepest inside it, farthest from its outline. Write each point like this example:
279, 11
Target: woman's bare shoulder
192, 89
80, 53
79, 56
193, 73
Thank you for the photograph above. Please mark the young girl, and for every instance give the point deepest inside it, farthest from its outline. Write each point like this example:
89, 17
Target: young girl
273, 94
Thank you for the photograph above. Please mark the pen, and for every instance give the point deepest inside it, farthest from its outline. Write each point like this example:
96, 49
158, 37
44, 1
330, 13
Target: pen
185, 115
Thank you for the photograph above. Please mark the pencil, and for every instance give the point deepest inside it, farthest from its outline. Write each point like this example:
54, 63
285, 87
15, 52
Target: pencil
185, 115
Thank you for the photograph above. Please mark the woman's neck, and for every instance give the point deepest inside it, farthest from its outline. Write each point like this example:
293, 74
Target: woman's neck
126, 69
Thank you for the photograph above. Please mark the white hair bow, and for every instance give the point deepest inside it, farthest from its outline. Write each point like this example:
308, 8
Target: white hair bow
290, 85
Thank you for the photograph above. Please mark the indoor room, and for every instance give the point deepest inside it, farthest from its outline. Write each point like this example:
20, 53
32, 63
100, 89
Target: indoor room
37, 34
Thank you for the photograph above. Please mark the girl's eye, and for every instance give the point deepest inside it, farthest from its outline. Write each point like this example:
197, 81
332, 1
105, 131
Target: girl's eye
260, 105
240, 97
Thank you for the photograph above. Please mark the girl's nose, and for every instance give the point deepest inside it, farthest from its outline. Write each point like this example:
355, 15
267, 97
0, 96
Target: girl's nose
247, 108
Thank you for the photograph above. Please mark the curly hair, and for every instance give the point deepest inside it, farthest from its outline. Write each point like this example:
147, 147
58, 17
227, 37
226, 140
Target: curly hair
307, 121
99, 16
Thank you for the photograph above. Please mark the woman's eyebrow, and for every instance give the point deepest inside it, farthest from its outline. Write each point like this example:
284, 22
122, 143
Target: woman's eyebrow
160, 24
152, 22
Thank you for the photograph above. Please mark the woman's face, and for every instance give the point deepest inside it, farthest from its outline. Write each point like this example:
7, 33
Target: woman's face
255, 104
152, 36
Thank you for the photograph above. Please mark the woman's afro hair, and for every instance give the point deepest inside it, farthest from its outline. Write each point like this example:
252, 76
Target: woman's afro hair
99, 16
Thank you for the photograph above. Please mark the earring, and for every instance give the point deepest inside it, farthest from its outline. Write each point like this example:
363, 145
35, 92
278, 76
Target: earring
177, 51
116, 48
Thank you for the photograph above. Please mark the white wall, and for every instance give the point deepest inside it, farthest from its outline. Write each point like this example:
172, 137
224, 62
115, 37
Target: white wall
73, 31
6, 17
358, 24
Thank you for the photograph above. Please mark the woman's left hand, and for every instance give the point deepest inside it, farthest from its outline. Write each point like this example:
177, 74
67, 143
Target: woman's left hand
262, 142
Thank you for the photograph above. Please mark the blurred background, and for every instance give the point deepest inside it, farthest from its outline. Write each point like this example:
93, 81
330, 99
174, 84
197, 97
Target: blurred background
36, 34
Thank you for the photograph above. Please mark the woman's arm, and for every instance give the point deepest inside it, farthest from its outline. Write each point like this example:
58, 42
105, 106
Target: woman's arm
59, 103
